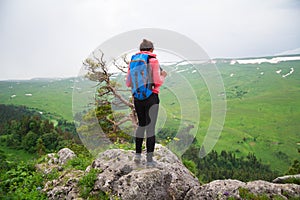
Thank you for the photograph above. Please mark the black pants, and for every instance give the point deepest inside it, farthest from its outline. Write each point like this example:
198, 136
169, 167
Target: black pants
147, 111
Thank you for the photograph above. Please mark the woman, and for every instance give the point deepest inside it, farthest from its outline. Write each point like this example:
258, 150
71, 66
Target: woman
147, 109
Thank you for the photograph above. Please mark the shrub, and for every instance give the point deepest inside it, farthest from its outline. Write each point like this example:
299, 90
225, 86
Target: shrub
86, 184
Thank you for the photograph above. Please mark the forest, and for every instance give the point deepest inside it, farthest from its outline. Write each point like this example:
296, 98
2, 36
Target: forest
26, 129
23, 129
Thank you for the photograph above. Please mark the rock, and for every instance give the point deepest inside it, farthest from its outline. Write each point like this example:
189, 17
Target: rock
219, 189
55, 161
64, 155
222, 189
270, 189
65, 187
52, 158
122, 177
144, 184
282, 179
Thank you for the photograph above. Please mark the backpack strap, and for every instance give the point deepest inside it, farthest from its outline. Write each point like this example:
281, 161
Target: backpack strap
150, 74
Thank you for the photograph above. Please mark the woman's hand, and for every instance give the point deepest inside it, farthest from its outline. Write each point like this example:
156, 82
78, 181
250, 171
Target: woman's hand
163, 73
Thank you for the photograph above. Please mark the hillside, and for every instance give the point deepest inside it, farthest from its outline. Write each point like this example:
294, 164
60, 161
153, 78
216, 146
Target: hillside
46, 95
263, 107
262, 96
263, 110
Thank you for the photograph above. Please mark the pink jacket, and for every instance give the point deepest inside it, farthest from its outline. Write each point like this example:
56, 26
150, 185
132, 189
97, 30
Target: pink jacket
158, 80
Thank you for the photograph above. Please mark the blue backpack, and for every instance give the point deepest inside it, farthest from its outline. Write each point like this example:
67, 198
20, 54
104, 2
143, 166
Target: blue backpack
141, 76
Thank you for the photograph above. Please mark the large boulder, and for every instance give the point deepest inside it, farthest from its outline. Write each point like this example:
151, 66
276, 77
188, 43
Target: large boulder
122, 177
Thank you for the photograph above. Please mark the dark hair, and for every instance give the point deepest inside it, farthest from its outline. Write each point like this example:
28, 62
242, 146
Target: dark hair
146, 45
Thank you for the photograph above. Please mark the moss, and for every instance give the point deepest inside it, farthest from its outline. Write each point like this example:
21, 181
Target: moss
246, 194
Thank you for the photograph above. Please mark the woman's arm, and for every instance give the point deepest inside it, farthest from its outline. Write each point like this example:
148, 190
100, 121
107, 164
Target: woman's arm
128, 78
158, 76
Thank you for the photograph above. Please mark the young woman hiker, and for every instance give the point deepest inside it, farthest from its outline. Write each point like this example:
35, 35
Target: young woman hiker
146, 100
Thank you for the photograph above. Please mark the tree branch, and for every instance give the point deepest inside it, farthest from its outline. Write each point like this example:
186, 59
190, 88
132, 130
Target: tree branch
122, 99
98, 71
121, 68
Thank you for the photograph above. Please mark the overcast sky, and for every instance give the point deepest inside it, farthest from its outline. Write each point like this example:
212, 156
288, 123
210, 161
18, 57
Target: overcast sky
51, 38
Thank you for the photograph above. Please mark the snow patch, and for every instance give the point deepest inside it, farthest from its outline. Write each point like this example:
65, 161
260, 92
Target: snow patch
194, 62
13, 96
232, 62
183, 70
232, 74
278, 71
290, 72
183, 63
272, 61
28, 95
168, 63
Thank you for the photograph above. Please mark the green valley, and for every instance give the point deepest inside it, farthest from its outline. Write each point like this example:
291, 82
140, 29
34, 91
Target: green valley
263, 106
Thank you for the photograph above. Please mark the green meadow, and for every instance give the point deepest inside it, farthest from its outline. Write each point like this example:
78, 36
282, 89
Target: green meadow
263, 110
262, 114
45, 95
263, 107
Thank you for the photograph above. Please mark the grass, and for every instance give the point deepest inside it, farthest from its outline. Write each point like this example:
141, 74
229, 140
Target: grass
262, 112
16, 155
48, 95
86, 185
263, 108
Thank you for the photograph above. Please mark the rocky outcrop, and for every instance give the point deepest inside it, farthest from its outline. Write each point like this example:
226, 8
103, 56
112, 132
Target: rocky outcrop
223, 189
66, 185
120, 177
55, 160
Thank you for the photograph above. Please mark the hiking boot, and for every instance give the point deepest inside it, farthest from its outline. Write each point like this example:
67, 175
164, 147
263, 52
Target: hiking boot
151, 164
150, 161
149, 156
137, 158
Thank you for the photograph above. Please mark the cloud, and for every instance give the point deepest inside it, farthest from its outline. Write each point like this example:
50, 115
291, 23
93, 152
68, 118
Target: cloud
51, 37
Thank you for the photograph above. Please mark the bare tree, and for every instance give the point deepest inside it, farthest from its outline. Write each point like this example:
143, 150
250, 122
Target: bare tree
98, 71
